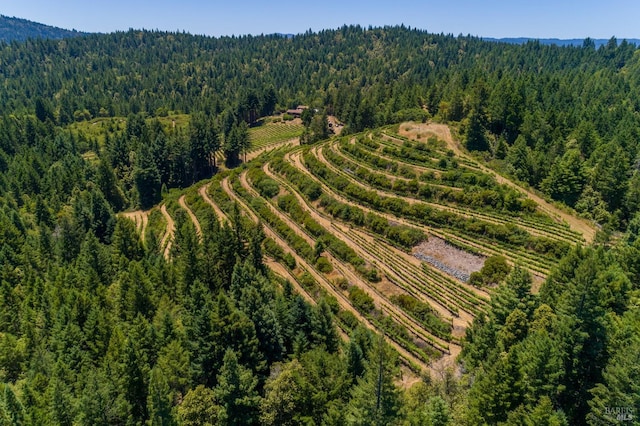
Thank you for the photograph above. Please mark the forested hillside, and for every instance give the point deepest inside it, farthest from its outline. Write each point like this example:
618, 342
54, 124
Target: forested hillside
552, 117
16, 29
262, 282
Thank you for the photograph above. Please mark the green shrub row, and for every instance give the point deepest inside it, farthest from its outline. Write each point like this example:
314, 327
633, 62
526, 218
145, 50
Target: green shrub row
424, 314
400, 235
508, 234
501, 198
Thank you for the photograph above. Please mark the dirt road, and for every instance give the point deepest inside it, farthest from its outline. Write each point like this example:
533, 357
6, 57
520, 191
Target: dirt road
183, 203
536, 268
203, 191
167, 240
253, 154
379, 299
342, 300
319, 153
140, 218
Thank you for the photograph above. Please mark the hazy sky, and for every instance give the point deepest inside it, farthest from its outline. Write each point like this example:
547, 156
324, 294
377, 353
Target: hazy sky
490, 18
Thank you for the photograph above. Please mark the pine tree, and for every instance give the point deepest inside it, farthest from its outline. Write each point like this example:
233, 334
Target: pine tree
133, 382
158, 403
476, 138
236, 393
199, 329
375, 399
12, 408
324, 331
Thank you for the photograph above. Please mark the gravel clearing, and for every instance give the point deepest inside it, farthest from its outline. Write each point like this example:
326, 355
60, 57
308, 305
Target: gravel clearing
447, 258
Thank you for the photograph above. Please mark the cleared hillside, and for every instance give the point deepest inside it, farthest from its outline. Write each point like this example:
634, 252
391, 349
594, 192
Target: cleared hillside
350, 215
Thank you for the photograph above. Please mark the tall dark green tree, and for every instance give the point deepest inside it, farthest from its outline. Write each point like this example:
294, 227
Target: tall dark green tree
236, 393
147, 178
476, 139
375, 399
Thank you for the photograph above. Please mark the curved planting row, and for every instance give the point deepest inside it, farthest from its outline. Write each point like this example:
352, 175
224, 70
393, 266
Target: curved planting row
299, 213
424, 194
416, 357
449, 235
462, 197
293, 215
368, 150
420, 286
342, 226
471, 230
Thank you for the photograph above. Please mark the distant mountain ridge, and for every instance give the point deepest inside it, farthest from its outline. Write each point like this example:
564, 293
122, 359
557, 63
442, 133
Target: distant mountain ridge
17, 29
558, 42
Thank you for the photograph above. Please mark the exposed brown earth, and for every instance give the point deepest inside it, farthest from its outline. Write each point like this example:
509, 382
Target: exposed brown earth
449, 255
298, 162
183, 203
342, 300
460, 211
140, 218
167, 239
374, 292
205, 196
253, 154
384, 289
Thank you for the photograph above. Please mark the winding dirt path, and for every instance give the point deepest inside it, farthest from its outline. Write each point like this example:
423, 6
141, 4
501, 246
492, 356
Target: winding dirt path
283, 272
203, 191
183, 203
342, 300
337, 151
167, 240
381, 193
443, 132
140, 218
555, 229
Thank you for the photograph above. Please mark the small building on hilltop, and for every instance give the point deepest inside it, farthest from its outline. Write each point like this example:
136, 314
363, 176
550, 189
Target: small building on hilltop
297, 112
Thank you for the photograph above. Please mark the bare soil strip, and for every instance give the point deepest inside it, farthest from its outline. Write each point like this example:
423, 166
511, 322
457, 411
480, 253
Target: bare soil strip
541, 268
140, 218
203, 191
336, 149
459, 323
414, 167
167, 240
461, 260
558, 228
183, 203
283, 272
253, 154
555, 229
443, 132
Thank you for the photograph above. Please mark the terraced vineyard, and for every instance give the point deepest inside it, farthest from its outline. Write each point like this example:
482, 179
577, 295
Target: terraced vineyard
345, 220
270, 133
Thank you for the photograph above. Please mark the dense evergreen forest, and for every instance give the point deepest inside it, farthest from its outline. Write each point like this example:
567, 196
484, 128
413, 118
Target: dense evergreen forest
98, 326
